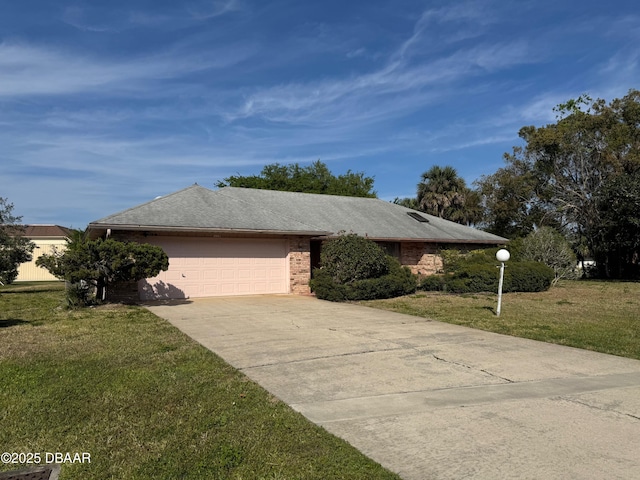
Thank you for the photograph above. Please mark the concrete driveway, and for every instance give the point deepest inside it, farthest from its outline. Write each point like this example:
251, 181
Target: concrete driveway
430, 400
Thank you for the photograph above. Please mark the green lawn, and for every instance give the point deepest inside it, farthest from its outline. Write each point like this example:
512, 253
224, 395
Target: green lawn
594, 315
145, 401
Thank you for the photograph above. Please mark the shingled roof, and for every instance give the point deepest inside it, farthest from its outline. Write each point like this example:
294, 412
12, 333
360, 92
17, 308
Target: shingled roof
267, 211
37, 231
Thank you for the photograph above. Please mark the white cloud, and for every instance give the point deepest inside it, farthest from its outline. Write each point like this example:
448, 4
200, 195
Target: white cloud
36, 70
205, 10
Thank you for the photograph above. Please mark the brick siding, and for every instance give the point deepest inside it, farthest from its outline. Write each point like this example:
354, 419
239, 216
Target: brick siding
421, 258
299, 265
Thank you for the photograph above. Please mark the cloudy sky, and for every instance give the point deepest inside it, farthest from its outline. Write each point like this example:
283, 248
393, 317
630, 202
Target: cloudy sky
108, 104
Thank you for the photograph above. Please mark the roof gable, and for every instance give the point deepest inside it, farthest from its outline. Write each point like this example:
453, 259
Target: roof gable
245, 209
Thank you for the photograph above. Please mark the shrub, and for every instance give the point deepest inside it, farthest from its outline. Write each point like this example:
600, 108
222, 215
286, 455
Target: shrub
79, 295
548, 246
399, 281
527, 277
326, 288
101, 263
350, 257
474, 278
433, 283
476, 272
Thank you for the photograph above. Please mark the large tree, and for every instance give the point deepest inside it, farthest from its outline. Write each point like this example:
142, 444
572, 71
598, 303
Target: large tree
14, 247
315, 178
512, 207
569, 174
442, 193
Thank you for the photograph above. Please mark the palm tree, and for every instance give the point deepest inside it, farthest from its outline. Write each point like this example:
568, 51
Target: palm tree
441, 191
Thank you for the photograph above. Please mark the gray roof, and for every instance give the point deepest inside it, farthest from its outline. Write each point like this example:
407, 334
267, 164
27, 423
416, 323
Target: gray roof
267, 211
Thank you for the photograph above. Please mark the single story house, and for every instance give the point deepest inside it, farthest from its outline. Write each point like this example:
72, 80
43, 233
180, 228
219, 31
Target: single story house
47, 238
241, 241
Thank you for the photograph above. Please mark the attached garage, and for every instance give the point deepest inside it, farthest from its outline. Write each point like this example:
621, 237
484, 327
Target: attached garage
209, 267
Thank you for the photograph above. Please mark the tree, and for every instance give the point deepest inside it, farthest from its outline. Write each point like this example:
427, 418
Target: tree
442, 193
566, 176
547, 245
512, 207
579, 158
315, 178
407, 202
14, 247
104, 263
618, 233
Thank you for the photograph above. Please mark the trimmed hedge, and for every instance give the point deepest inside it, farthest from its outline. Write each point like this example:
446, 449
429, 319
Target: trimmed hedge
350, 257
399, 281
476, 277
527, 277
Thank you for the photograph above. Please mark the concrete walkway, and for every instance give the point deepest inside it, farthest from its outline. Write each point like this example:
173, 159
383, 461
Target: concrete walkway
430, 400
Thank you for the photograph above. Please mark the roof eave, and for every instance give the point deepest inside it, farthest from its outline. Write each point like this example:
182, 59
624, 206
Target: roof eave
103, 227
431, 240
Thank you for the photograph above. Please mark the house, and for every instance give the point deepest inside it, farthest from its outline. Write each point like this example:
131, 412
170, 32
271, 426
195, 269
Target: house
47, 238
240, 241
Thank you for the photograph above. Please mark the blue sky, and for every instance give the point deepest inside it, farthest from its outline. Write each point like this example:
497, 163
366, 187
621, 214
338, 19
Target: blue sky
105, 105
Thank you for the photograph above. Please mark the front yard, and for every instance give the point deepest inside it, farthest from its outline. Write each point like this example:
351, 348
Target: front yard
594, 315
145, 401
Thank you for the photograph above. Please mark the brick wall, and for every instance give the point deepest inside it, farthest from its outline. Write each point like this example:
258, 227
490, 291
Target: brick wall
421, 258
300, 265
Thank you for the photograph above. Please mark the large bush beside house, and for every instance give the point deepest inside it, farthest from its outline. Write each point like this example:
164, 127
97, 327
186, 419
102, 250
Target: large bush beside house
476, 272
356, 268
351, 257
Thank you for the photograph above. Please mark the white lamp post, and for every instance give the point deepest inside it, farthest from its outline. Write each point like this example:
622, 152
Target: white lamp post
502, 256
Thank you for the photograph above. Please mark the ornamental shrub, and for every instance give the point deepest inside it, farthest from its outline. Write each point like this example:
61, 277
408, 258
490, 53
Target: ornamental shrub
350, 257
399, 281
326, 288
396, 282
527, 277
476, 272
90, 266
433, 283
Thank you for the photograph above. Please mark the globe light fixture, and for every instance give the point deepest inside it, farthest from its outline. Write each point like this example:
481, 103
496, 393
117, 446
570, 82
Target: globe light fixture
502, 256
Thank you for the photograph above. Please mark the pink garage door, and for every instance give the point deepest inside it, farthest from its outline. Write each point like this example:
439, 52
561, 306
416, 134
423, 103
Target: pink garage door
209, 267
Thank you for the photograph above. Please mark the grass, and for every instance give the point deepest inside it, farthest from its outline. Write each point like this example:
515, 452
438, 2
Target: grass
593, 315
145, 400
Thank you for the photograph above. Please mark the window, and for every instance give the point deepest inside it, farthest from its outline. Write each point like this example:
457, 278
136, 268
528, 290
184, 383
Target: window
391, 248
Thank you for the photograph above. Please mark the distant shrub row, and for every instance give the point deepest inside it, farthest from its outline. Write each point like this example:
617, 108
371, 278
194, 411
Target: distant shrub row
477, 272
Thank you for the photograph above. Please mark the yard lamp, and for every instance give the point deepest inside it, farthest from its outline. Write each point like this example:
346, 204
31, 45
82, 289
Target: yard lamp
502, 256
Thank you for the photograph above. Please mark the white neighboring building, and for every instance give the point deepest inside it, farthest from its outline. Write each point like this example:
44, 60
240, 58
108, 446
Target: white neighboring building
47, 238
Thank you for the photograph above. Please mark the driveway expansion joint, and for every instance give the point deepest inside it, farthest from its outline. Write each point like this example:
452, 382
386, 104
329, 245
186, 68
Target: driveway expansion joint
602, 409
459, 364
322, 357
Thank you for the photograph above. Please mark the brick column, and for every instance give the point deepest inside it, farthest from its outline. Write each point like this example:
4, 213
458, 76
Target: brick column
300, 265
